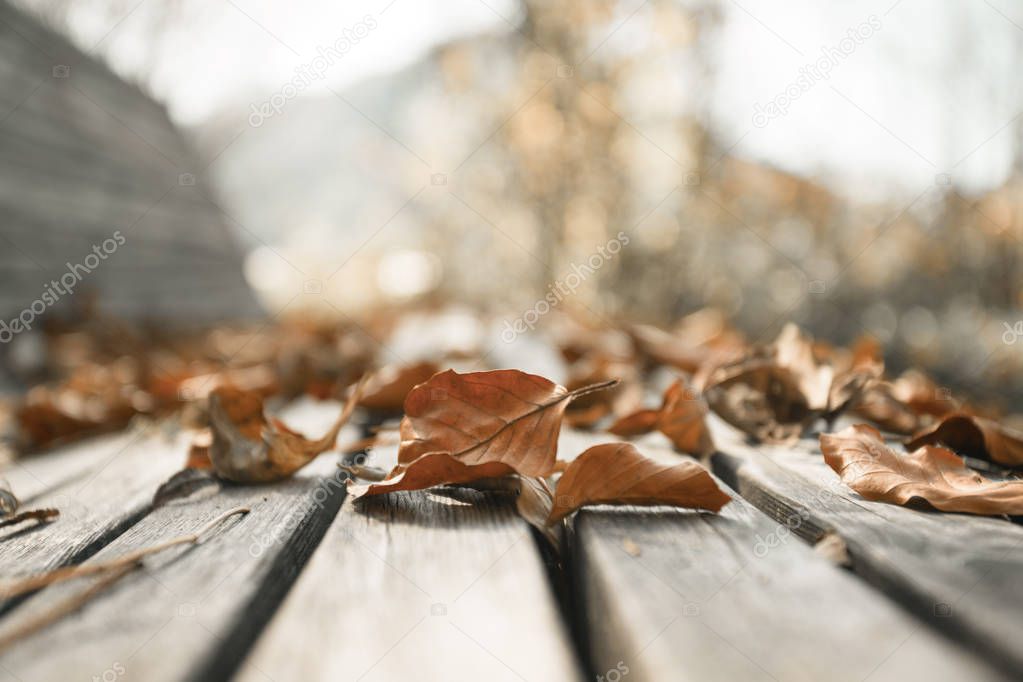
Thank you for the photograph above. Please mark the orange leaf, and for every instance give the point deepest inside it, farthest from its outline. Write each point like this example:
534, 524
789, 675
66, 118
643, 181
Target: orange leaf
503, 416
975, 437
682, 420
199, 450
858, 454
432, 469
249, 448
616, 473
387, 389
636, 424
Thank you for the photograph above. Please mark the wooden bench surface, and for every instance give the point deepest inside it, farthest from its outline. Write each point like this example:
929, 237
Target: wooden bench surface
450, 584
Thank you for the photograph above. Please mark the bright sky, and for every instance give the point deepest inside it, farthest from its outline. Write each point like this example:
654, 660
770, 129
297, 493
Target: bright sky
924, 94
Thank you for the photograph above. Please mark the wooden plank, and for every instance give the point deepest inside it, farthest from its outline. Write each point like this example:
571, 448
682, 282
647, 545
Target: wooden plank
96, 506
34, 475
957, 573
419, 586
677, 594
189, 613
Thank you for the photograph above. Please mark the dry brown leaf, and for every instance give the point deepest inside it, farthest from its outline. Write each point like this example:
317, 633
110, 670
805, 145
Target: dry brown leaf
794, 351
623, 398
682, 419
534, 503
636, 424
249, 448
432, 469
859, 455
919, 392
878, 405
974, 437
504, 416
199, 450
387, 389
617, 473
761, 399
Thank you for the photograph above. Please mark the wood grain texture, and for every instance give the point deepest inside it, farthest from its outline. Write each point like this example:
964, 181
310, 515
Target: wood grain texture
191, 612
957, 573
34, 475
440, 585
680, 594
102, 500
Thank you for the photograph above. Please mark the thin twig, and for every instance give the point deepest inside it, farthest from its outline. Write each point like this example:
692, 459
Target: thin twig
65, 607
35, 582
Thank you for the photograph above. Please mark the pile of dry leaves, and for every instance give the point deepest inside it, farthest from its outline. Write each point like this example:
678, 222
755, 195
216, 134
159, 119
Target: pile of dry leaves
500, 428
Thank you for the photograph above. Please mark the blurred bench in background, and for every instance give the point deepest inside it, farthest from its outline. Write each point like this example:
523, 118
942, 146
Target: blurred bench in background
93, 173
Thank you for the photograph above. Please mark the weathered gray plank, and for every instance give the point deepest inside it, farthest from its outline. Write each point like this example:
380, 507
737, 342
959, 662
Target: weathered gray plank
956, 572
97, 505
677, 594
33, 475
419, 586
189, 613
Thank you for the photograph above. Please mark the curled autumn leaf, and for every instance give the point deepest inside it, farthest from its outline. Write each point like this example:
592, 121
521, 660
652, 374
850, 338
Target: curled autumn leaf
618, 474
387, 389
859, 455
503, 416
249, 448
682, 419
432, 469
761, 399
777, 392
974, 437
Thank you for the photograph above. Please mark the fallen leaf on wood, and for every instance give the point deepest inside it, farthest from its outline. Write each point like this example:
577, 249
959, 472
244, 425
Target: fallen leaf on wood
387, 389
185, 484
504, 416
974, 437
621, 399
878, 405
249, 448
636, 424
437, 468
918, 391
534, 503
859, 455
199, 450
682, 420
617, 473
793, 350
761, 399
